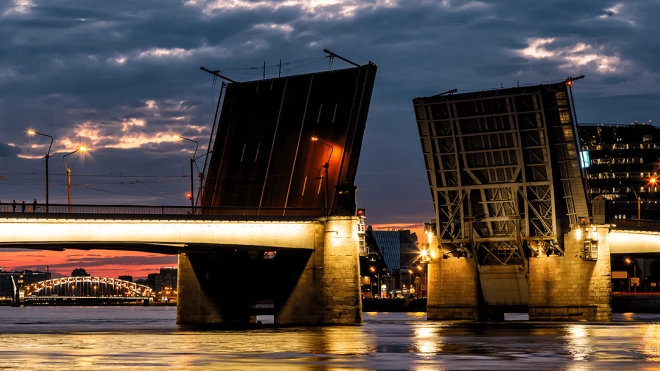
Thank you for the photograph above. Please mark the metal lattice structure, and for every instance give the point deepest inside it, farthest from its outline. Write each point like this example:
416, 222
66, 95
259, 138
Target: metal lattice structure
503, 169
85, 284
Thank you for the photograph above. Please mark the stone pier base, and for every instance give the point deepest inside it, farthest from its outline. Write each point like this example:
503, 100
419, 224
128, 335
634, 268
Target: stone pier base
452, 292
328, 290
319, 285
570, 288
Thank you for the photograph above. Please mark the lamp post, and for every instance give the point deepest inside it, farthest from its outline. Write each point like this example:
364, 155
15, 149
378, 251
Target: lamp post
33, 132
68, 175
325, 166
630, 261
201, 176
192, 160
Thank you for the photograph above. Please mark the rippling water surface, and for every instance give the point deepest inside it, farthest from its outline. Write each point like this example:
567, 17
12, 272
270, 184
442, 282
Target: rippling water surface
111, 338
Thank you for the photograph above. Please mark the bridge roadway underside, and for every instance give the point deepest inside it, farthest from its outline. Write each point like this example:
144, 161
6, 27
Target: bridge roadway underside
160, 234
313, 277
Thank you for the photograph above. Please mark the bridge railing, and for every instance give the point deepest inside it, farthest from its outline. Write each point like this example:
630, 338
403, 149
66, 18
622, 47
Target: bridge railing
19, 208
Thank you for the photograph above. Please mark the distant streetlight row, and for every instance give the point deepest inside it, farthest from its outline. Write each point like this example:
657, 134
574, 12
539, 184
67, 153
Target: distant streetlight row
81, 149
84, 149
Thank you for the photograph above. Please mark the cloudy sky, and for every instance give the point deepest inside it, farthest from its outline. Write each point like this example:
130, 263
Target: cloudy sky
123, 76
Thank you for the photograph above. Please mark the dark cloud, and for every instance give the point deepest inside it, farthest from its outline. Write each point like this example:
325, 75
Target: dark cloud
124, 75
9, 151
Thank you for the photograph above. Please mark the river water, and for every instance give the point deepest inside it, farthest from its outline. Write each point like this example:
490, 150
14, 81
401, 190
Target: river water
136, 337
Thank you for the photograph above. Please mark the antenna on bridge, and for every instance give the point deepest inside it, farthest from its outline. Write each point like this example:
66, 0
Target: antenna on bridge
216, 73
333, 55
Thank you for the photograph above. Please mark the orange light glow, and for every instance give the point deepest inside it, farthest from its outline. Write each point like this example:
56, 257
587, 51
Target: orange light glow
31, 132
314, 139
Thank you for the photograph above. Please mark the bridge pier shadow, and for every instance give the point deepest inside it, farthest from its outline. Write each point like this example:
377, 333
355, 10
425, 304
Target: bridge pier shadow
312, 286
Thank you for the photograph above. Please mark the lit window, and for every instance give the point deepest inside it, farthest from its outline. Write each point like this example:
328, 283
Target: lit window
564, 116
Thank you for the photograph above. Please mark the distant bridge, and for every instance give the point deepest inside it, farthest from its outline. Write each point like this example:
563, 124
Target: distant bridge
87, 286
81, 290
86, 300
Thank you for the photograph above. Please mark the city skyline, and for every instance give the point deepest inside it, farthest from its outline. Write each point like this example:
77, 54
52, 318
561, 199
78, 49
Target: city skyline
124, 77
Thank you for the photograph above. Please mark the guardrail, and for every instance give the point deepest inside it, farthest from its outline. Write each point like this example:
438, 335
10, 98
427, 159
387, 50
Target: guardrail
32, 208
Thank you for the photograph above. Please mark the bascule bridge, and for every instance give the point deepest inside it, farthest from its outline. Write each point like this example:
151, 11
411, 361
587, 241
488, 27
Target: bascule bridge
277, 220
514, 228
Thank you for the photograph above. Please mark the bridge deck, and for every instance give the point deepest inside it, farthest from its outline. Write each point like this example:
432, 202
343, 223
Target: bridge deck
168, 234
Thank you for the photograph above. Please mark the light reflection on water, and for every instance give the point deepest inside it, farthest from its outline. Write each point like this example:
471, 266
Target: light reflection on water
111, 338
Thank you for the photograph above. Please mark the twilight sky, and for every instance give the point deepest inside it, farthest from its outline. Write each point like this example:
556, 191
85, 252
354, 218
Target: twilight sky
123, 76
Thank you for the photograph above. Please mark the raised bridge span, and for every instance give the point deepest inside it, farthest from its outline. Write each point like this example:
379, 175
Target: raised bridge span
515, 226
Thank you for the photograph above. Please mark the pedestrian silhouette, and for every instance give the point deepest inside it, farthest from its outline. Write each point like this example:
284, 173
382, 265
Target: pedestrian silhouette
13, 206
34, 205
23, 207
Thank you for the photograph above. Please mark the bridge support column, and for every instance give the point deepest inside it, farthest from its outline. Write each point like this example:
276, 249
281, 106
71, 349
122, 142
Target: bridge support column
328, 290
570, 288
452, 292
195, 304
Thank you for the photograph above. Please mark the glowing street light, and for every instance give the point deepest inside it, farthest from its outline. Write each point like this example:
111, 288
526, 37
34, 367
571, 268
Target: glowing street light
47, 156
81, 149
192, 160
326, 166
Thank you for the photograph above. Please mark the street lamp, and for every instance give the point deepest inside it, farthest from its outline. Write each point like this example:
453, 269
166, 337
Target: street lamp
201, 177
630, 261
326, 166
33, 132
82, 149
192, 160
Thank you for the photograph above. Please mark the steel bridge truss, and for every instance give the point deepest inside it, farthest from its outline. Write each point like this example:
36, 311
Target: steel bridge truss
87, 284
489, 158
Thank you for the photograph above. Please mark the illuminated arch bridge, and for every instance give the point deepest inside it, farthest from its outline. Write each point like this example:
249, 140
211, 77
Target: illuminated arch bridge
82, 287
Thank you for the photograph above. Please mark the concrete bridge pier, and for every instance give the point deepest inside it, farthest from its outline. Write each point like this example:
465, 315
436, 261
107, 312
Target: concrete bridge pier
318, 285
452, 293
452, 286
573, 287
328, 290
